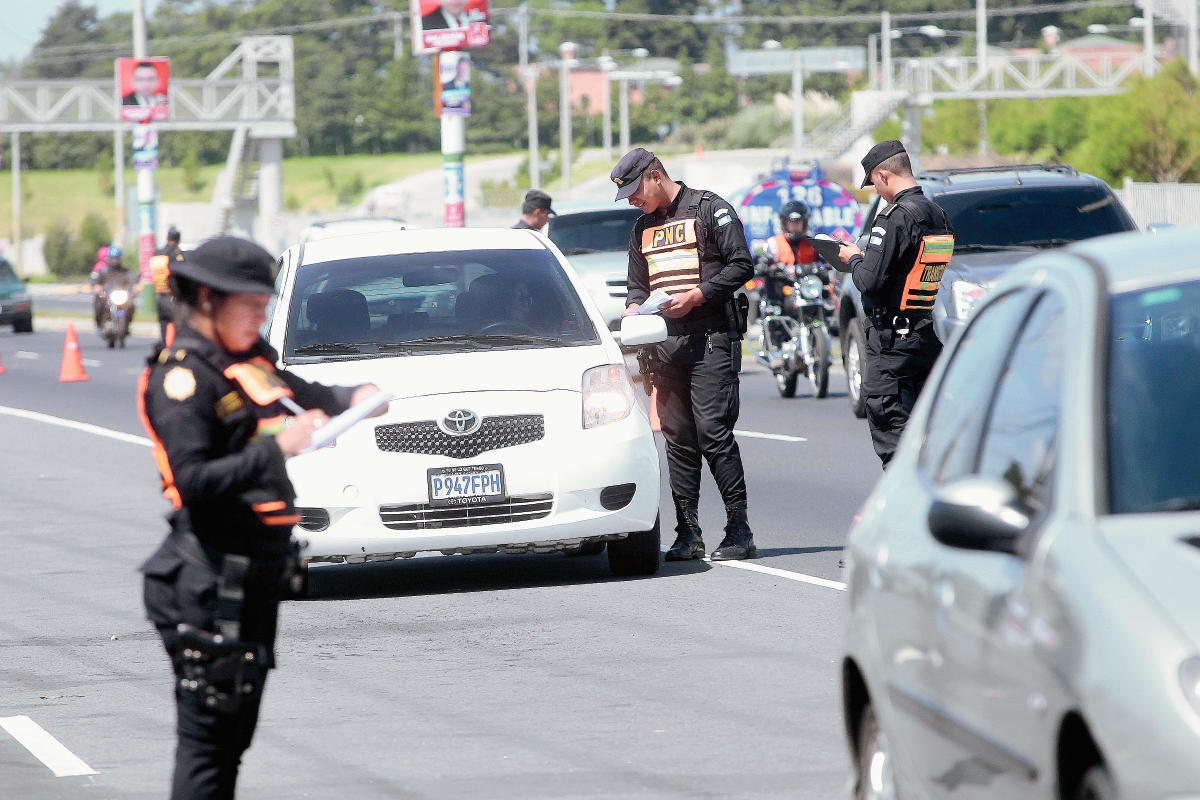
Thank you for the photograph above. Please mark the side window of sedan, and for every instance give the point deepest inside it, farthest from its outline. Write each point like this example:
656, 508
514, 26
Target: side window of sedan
1022, 428
966, 389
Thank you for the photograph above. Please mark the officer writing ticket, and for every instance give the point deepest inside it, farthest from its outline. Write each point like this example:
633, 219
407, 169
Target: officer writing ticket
346, 420
654, 303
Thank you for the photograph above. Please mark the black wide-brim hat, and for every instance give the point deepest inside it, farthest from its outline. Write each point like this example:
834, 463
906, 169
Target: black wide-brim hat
877, 155
229, 264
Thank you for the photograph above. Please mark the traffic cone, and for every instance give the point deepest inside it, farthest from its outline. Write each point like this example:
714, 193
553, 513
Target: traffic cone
72, 360
169, 339
1, 367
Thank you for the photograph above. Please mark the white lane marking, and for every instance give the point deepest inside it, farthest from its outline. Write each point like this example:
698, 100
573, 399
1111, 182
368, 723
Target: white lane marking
50, 751
778, 437
783, 573
78, 426
91, 362
28, 355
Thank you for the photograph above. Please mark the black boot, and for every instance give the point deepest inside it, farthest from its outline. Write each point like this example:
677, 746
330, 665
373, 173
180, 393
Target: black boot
689, 544
739, 540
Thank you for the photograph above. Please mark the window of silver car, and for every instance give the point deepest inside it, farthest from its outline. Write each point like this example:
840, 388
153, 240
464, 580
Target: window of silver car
965, 391
1022, 426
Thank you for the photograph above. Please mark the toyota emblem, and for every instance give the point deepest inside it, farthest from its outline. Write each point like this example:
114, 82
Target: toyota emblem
460, 422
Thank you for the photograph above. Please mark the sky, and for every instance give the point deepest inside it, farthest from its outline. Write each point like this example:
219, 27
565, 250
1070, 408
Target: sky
21, 23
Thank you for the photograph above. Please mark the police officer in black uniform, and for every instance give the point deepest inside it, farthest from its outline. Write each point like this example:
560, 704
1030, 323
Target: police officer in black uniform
909, 245
160, 269
211, 404
690, 244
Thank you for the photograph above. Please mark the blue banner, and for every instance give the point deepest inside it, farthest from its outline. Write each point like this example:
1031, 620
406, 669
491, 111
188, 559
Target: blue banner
834, 210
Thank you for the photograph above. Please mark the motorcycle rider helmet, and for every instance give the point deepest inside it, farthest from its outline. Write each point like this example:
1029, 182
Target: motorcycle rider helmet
114, 251
794, 211
227, 265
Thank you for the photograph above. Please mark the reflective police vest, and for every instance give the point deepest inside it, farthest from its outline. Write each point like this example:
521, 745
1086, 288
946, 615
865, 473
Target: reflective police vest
672, 252
785, 254
160, 268
923, 278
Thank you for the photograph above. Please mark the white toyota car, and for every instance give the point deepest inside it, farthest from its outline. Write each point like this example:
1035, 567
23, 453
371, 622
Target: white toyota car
514, 426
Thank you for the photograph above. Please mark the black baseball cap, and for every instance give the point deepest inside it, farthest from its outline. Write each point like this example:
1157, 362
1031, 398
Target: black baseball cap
877, 155
228, 264
536, 198
627, 174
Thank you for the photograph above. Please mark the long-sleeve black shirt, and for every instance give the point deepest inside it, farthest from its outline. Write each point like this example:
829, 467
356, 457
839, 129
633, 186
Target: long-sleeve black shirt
892, 246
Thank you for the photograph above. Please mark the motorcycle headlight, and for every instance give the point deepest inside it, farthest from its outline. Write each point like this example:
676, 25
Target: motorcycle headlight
119, 297
607, 395
810, 287
1189, 681
966, 295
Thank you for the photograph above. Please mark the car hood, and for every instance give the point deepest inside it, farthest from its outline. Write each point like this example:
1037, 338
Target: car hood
983, 268
530, 370
1156, 549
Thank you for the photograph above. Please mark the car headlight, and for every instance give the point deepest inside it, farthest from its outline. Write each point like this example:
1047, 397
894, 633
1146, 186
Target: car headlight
607, 395
119, 297
966, 295
810, 287
1189, 681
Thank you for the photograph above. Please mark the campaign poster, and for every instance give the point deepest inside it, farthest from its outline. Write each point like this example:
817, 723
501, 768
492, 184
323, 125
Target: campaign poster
142, 89
145, 147
449, 25
454, 80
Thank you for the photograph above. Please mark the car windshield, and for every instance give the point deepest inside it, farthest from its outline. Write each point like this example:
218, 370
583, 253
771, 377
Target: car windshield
6, 272
1153, 383
593, 231
417, 303
1032, 216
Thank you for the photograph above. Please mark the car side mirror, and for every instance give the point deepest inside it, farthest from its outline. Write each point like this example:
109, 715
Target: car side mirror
976, 513
642, 329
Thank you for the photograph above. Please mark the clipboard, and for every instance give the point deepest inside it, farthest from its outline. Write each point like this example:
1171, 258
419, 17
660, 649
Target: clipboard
827, 249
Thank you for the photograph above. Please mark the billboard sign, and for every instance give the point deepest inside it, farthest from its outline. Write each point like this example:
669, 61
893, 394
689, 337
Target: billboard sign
142, 89
454, 82
834, 210
449, 25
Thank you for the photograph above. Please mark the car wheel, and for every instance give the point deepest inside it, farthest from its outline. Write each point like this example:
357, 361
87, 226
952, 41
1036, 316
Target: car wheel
637, 554
23, 325
786, 381
819, 375
586, 549
1096, 784
855, 359
876, 779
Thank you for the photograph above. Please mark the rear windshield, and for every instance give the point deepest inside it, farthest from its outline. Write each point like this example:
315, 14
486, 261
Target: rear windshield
1044, 216
594, 231
411, 304
1153, 385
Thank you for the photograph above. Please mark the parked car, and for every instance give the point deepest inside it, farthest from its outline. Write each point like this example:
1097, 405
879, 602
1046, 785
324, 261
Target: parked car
596, 241
349, 226
1023, 583
1001, 215
16, 306
514, 429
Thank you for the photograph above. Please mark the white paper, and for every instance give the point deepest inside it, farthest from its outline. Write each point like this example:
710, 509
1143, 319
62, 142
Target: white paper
657, 299
346, 420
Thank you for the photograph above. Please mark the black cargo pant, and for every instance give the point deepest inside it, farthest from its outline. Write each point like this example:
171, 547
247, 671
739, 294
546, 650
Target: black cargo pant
698, 403
165, 306
896, 369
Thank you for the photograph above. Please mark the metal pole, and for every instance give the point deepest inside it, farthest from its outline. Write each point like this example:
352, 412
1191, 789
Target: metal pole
606, 65
797, 104
139, 28
984, 141
885, 44
624, 112
530, 76
145, 180
910, 135
16, 196
872, 62
981, 34
453, 145
119, 181
1194, 37
1148, 64
567, 56
270, 194
397, 38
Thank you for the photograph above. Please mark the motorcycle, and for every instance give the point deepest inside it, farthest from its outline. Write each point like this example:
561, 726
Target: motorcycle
116, 313
793, 338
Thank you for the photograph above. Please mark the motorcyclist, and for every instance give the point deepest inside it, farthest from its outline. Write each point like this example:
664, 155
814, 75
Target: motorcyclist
113, 274
788, 246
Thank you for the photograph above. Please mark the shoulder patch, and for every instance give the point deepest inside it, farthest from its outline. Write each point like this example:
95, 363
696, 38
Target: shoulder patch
179, 383
887, 211
229, 404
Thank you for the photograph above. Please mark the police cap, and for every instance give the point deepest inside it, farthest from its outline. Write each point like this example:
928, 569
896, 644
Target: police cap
877, 155
627, 174
228, 264
535, 199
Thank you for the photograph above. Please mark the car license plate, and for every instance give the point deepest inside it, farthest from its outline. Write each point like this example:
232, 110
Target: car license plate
466, 486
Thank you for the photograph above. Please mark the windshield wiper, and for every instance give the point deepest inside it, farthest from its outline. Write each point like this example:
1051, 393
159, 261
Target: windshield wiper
1049, 242
520, 338
580, 251
329, 348
1177, 504
989, 248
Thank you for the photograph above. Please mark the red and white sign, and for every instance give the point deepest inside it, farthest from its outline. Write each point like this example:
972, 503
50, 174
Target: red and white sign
449, 25
143, 88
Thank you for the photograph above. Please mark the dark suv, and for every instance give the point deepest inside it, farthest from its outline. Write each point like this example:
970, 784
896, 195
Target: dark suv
1000, 215
16, 307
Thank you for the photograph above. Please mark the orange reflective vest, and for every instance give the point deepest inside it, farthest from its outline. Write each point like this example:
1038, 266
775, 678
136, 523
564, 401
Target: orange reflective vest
785, 254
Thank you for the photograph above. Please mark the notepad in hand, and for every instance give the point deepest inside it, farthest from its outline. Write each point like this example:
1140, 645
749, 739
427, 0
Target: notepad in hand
827, 248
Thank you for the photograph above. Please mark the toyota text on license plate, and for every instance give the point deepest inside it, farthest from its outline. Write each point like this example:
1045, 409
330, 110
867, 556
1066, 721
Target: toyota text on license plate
466, 486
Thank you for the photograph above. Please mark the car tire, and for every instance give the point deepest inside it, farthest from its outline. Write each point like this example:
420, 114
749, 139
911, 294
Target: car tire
586, 549
875, 776
820, 381
1096, 784
786, 381
638, 553
23, 324
297, 587
854, 360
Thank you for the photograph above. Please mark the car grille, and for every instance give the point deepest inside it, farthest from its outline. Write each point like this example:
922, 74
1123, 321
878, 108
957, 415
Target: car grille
426, 438
420, 516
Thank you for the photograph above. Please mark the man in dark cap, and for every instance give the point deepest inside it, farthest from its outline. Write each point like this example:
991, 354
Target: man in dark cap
690, 244
160, 269
220, 418
908, 248
535, 211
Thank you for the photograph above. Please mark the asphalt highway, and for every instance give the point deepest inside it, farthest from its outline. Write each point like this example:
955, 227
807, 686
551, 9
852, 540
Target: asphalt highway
537, 676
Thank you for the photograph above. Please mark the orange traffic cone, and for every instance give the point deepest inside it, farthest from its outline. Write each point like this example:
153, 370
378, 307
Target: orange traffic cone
72, 360
1, 367
169, 339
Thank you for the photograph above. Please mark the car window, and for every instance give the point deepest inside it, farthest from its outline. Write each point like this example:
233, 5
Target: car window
1019, 442
6, 272
1153, 384
965, 390
593, 231
456, 300
1040, 215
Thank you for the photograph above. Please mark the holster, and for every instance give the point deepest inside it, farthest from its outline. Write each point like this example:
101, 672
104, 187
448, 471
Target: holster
646, 363
225, 673
737, 312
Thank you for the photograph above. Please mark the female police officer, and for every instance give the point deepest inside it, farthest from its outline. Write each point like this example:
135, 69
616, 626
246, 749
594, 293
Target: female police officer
211, 404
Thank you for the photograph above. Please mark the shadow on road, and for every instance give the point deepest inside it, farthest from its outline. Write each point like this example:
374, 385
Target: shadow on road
477, 573
767, 552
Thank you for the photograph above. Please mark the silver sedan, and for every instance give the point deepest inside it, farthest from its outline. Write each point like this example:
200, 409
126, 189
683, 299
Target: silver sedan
1024, 581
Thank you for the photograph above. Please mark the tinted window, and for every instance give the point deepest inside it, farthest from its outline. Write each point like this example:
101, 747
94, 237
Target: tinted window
1153, 386
1045, 215
593, 231
428, 302
6, 272
963, 395
1019, 443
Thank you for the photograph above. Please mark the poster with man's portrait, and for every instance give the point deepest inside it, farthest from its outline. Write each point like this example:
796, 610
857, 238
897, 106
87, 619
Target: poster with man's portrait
454, 81
449, 25
142, 85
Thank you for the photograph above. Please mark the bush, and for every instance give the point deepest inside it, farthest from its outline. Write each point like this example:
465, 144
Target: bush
63, 251
193, 181
94, 233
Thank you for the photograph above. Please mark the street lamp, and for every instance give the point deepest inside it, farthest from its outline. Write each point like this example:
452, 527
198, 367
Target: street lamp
607, 65
567, 60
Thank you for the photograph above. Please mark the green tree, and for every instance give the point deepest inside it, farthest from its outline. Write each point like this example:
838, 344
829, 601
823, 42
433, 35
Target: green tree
105, 172
193, 181
63, 250
94, 233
